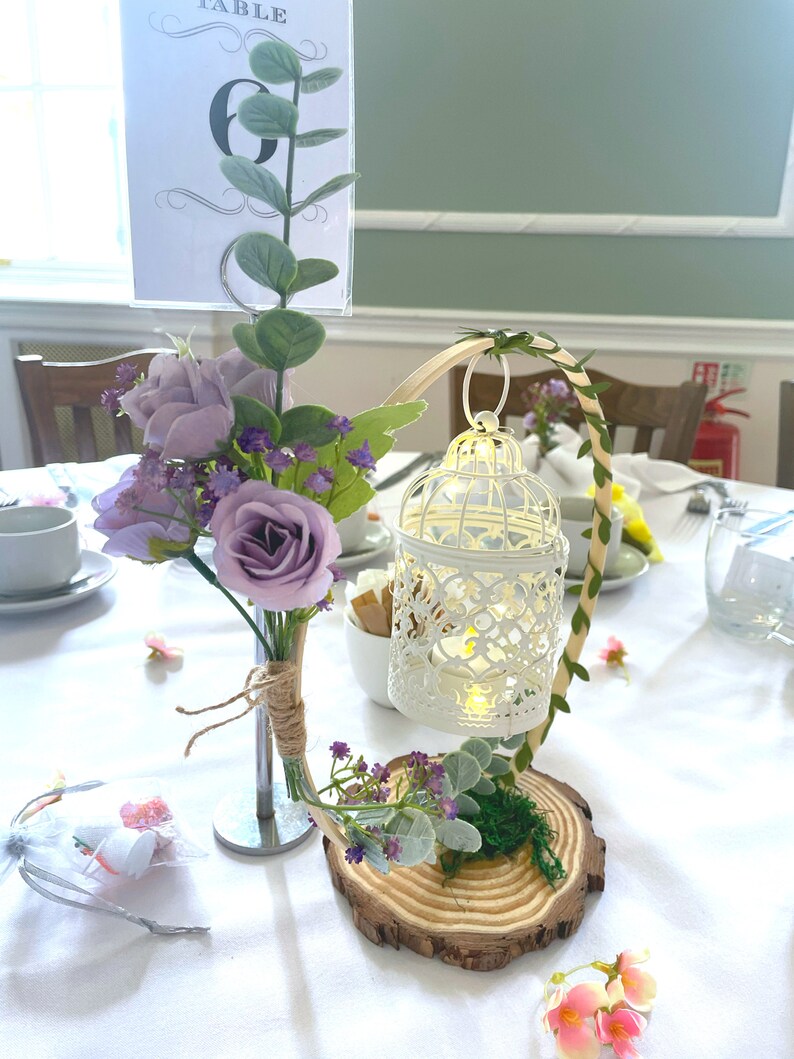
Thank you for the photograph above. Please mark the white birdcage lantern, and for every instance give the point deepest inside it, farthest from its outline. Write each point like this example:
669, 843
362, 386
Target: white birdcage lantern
478, 586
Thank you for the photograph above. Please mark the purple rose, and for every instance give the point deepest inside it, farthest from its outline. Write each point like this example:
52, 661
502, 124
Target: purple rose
244, 377
183, 407
274, 546
141, 522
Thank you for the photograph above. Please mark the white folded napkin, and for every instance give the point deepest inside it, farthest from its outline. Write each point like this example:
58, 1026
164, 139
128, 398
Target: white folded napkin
636, 472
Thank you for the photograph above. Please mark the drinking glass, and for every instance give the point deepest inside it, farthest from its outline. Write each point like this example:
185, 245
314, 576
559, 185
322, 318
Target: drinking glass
750, 571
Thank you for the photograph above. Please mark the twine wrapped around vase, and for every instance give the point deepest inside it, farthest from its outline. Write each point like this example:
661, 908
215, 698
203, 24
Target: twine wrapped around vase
272, 685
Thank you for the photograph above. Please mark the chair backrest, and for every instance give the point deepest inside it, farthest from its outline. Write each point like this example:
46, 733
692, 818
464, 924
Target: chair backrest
45, 386
676, 410
785, 436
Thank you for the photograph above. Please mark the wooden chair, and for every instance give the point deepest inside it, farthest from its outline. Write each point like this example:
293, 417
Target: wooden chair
785, 436
676, 410
45, 386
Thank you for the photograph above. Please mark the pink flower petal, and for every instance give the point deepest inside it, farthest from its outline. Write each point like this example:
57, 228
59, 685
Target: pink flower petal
576, 1039
639, 987
586, 998
615, 993
631, 956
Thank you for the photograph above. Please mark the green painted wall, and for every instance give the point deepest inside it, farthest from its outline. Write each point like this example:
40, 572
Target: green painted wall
604, 106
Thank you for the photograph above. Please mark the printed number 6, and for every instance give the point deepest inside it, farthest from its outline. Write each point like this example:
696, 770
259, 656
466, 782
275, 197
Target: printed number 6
220, 119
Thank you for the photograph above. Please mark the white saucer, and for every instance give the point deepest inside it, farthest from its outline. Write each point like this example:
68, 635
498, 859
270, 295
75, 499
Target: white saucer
96, 568
630, 564
377, 540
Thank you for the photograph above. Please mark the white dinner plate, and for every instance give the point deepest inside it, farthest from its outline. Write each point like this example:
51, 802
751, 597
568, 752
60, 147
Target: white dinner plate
377, 540
96, 568
629, 565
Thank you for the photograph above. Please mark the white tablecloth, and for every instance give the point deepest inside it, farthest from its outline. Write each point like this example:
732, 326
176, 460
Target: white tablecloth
687, 770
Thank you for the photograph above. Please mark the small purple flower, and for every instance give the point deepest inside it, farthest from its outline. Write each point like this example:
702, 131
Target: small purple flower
321, 480
354, 854
362, 457
151, 472
110, 399
127, 501
278, 460
126, 374
324, 604
381, 772
304, 453
417, 758
449, 807
362, 766
438, 769
183, 477
255, 439
559, 388
223, 481
392, 848
339, 750
337, 572
143, 523
341, 424
383, 794
530, 420
433, 784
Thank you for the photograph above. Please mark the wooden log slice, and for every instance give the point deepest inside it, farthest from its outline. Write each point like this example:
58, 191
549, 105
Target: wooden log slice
492, 911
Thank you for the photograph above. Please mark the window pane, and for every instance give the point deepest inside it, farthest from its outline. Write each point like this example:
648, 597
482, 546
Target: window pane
15, 66
74, 43
23, 218
80, 146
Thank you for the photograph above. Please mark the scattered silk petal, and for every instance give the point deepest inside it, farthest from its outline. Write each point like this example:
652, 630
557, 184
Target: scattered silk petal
159, 649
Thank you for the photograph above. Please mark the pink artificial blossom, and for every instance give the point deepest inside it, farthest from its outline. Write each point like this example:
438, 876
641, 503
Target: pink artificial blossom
614, 654
159, 649
619, 1028
567, 1014
639, 987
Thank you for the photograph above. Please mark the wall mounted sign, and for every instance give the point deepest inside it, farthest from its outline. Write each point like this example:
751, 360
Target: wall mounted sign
186, 72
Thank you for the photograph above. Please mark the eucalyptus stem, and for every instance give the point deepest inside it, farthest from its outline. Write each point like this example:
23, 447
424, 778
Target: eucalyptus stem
211, 577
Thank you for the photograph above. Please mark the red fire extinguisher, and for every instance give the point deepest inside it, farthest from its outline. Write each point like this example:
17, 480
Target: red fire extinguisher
716, 448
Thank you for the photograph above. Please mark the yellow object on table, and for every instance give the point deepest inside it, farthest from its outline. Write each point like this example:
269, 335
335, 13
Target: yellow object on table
636, 530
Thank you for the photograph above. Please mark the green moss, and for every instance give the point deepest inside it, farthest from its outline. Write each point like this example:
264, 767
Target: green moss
507, 821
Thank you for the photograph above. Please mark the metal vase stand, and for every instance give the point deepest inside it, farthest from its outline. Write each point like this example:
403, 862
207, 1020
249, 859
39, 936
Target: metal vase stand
260, 820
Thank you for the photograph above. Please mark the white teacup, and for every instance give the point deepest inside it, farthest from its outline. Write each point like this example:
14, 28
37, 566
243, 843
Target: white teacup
369, 659
352, 530
577, 516
39, 548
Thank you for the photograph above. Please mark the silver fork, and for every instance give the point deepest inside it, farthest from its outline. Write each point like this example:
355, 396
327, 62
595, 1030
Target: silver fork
699, 503
736, 507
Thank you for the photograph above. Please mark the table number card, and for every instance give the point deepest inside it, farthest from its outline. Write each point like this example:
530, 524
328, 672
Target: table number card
186, 72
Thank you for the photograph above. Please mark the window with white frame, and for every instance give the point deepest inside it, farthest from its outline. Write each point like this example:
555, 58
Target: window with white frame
62, 207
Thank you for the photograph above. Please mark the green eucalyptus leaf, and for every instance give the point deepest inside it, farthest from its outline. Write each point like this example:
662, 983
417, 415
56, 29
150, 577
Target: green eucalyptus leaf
306, 422
267, 260
480, 749
462, 770
415, 832
274, 63
499, 766
458, 834
245, 337
467, 805
268, 117
604, 529
311, 272
288, 338
337, 183
320, 79
318, 136
484, 786
248, 412
373, 851
256, 181
514, 742
559, 702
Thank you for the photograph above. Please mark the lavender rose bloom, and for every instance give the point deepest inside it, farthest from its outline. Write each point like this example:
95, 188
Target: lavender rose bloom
183, 407
274, 546
151, 534
244, 377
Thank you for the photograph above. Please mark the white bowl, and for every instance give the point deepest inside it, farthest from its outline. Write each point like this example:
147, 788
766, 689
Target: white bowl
369, 659
576, 517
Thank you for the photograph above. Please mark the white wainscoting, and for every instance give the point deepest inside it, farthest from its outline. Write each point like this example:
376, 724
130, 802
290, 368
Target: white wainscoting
368, 354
